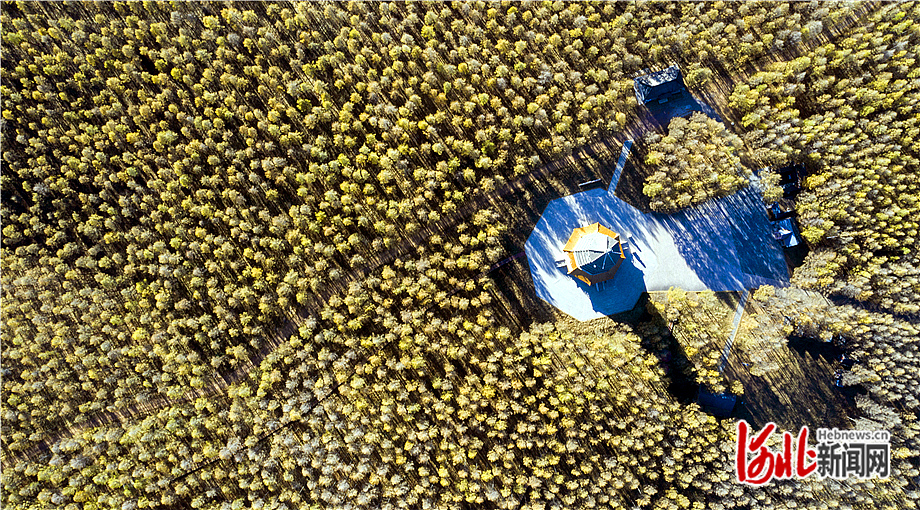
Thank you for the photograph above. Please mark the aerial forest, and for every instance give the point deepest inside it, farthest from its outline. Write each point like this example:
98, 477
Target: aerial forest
249, 250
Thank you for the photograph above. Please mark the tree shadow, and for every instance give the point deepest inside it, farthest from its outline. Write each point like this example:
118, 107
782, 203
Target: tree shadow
795, 256
520, 305
657, 340
730, 299
799, 392
619, 294
632, 182
634, 316
727, 241
679, 105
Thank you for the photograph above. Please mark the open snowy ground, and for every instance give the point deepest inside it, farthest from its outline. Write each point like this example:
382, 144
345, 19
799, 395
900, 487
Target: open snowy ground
721, 245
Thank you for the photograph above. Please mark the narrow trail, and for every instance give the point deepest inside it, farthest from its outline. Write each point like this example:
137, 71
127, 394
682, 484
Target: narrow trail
621, 163
220, 382
739, 312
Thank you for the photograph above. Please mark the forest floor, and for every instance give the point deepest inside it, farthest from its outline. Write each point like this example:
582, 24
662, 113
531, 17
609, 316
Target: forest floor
798, 386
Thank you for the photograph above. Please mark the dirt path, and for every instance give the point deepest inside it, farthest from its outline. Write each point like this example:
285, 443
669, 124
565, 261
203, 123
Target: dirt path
739, 312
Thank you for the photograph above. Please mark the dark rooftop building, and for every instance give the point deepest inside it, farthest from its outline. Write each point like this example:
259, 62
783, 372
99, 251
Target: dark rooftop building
778, 212
786, 231
790, 178
659, 85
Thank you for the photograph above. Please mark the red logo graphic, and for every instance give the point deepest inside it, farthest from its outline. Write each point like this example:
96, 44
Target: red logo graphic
767, 464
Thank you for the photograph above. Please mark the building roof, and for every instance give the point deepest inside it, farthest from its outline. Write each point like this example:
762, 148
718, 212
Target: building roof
787, 232
790, 178
650, 87
593, 253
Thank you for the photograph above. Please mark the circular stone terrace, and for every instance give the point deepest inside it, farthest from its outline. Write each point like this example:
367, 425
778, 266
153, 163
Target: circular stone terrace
722, 245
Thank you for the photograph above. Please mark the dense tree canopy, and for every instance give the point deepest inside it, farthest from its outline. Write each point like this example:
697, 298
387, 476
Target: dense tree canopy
696, 160
850, 107
246, 249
